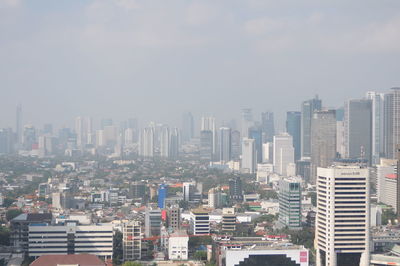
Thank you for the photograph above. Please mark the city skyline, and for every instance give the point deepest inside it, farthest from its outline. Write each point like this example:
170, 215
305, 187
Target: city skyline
110, 58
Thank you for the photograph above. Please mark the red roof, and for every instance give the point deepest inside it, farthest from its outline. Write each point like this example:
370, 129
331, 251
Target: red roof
80, 259
392, 176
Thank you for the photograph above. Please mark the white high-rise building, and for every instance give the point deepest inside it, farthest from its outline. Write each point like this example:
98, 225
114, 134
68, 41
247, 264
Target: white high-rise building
342, 221
386, 182
128, 136
83, 129
164, 142
249, 156
147, 142
214, 198
377, 124
283, 153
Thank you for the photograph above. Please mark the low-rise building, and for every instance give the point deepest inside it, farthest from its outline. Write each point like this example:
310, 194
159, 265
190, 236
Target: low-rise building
178, 246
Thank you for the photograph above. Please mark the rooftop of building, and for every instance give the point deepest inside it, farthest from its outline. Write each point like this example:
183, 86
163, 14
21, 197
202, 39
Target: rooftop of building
74, 259
33, 217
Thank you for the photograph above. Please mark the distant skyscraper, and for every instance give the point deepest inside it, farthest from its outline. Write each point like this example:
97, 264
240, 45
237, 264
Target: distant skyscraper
378, 137
307, 110
208, 123
18, 125
268, 126
323, 141
255, 133
236, 148
246, 121
342, 221
392, 122
283, 153
187, 127
47, 129
83, 130
105, 122
358, 129
164, 142
29, 137
6, 141
174, 143
249, 156
225, 144
293, 127
147, 142
206, 145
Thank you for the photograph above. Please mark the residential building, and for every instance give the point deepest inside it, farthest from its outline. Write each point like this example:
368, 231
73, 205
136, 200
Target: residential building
249, 156
283, 153
132, 240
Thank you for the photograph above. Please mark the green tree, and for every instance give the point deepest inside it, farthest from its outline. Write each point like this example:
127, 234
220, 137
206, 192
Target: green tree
4, 236
11, 214
132, 263
200, 255
313, 196
117, 248
388, 215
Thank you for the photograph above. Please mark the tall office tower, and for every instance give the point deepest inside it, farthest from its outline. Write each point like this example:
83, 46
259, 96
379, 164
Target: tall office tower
225, 144
208, 124
323, 141
214, 198
18, 126
378, 120
235, 188
293, 127
129, 136
162, 195
283, 153
268, 126
164, 142
6, 141
255, 132
152, 220
29, 137
268, 152
358, 129
83, 130
392, 122
236, 149
249, 156
47, 129
174, 144
342, 221
206, 145
290, 203
188, 189
100, 139
111, 135
187, 127
246, 121
340, 134
307, 110
132, 240
106, 122
147, 142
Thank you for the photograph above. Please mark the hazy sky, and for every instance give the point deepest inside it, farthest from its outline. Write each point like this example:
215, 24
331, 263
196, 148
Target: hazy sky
154, 59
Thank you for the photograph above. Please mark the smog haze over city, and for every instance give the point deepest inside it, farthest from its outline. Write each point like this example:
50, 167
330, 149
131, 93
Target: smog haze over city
199, 132
157, 59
